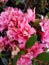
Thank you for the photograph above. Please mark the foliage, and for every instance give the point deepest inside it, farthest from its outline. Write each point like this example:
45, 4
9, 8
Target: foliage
31, 41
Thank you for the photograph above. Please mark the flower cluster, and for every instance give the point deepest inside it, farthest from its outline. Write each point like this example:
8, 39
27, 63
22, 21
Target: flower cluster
16, 26
15, 30
32, 52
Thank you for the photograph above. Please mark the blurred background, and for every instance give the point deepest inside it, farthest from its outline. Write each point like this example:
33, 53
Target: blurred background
42, 6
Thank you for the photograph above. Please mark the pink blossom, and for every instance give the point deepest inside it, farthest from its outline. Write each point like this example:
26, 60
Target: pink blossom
24, 32
4, 20
24, 60
3, 1
45, 28
44, 24
36, 49
12, 34
18, 27
17, 24
21, 34
13, 17
5, 42
9, 18
1, 44
31, 14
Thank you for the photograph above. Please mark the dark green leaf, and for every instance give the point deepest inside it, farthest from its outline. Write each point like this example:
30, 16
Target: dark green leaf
35, 63
5, 62
0, 55
17, 2
31, 41
15, 59
18, 56
44, 57
22, 1
22, 52
48, 14
6, 54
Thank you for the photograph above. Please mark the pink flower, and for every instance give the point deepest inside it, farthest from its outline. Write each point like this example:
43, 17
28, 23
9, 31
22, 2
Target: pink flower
3, 1
45, 28
4, 20
5, 42
31, 14
12, 34
18, 27
24, 32
17, 24
1, 44
36, 49
9, 18
24, 60
13, 17
44, 24
21, 34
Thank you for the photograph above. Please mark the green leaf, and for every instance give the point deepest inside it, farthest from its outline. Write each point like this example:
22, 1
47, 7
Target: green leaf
48, 14
18, 56
22, 52
20, 1
44, 57
17, 2
30, 42
35, 63
0, 55
6, 54
5, 62
15, 59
